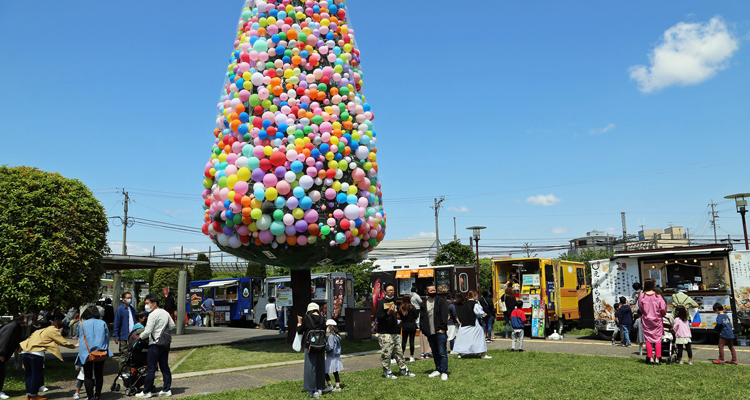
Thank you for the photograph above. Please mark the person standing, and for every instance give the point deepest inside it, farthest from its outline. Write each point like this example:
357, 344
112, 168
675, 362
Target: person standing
408, 316
625, 318
10, 337
682, 299
470, 339
315, 363
170, 305
434, 324
518, 321
488, 305
510, 304
93, 336
452, 321
33, 349
652, 308
158, 331
210, 308
416, 301
388, 334
124, 322
271, 313
726, 335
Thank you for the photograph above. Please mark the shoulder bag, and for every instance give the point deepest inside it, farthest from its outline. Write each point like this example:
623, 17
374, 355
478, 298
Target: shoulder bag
94, 356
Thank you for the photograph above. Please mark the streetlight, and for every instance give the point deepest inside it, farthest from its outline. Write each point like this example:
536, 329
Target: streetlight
475, 230
741, 203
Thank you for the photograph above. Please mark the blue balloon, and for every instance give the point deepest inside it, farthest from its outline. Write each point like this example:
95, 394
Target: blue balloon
305, 202
325, 148
280, 202
260, 194
243, 130
227, 203
239, 83
297, 166
341, 198
298, 192
244, 117
315, 153
351, 199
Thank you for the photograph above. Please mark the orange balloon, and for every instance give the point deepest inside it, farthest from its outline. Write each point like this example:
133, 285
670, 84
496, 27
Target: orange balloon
344, 246
292, 240
291, 34
306, 152
261, 31
296, 60
240, 108
277, 91
321, 95
235, 124
322, 174
334, 91
347, 150
246, 211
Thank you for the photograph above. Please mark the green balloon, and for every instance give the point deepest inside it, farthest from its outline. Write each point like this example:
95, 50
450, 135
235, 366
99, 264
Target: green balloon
325, 230
317, 120
278, 215
277, 228
254, 100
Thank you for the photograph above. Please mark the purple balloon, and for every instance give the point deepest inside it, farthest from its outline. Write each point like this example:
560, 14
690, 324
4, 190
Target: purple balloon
292, 202
265, 236
280, 172
228, 231
318, 165
300, 226
258, 175
311, 216
290, 230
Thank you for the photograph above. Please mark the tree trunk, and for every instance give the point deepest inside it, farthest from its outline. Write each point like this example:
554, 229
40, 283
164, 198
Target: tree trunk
301, 297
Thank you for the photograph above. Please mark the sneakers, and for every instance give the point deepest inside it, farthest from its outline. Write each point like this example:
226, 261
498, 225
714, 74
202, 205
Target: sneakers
43, 389
512, 350
168, 393
336, 389
681, 363
459, 356
434, 374
411, 359
486, 357
613, 343
4, 396
690, 363
520, 350
390, 376
444, 376
407, 373
328, 388
143, 395
732, 362
314, 394
488, 341
717, 361
75, 396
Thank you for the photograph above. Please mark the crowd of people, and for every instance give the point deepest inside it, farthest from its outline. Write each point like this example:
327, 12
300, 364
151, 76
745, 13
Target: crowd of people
31, 339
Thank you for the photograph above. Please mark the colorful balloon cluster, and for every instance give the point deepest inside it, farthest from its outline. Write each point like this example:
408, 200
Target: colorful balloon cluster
292, 178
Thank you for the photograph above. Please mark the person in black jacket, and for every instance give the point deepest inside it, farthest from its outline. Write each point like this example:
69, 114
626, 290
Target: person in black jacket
10, 337
510, 304
408, 316
315, 363
434, 324
389, 336
488, 304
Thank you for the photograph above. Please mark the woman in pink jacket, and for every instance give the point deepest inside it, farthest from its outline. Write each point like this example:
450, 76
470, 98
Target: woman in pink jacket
652, 308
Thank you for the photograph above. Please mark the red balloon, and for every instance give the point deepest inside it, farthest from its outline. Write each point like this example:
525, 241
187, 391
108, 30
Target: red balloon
278, 159
344, 224
265, 164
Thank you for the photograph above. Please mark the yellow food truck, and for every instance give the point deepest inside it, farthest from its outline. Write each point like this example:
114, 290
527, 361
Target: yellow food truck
554, 292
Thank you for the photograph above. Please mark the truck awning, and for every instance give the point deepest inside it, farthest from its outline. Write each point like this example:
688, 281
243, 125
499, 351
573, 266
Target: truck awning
426, 273
403, 274
219, 284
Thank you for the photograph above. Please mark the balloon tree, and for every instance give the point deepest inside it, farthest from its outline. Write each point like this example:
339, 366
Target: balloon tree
292, 177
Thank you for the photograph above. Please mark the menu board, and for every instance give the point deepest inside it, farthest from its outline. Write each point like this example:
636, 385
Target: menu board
196, 299
404, 285
531, 280
739, 264
284, 297
338, 296
442, 281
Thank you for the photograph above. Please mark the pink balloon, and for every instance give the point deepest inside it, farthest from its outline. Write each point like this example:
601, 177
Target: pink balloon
241, 187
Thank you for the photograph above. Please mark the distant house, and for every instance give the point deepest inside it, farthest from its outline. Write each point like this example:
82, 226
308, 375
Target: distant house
646, 239
404, 253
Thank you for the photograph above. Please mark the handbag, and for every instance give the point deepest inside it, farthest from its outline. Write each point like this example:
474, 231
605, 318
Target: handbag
94, 356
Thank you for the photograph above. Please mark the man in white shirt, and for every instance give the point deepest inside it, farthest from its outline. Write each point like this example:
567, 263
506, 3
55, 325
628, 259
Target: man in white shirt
157, 331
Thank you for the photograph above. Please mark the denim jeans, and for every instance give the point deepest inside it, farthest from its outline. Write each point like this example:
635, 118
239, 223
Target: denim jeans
489, 323
157, 355
625, 334
439, 351
33, 366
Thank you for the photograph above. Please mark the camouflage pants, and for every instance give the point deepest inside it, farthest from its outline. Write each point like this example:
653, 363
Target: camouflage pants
390, 347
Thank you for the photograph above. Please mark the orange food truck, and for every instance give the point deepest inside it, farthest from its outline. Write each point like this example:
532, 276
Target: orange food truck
555, 293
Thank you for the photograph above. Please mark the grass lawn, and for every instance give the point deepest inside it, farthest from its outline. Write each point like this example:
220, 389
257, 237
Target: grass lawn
218, 357
54, 371
530, 375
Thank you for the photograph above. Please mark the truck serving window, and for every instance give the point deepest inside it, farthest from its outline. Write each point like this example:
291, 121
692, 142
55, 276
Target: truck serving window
463, 282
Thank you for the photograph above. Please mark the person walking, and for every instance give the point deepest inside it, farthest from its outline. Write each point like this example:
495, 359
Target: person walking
158, 331
388, 334
170, 305
93, 336
315, 364
470, 339
726, 335
33, 349
652, 308
487, 303
452, 321
124, 322
209, 307
408, 316
510, 304
416, 301
10, 337
434, 324
271, 313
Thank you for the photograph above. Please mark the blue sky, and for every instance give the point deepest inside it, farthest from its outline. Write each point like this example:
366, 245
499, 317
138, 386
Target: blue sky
530, 117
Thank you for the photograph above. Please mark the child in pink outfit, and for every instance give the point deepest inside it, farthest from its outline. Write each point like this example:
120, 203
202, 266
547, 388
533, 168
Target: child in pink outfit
682, 333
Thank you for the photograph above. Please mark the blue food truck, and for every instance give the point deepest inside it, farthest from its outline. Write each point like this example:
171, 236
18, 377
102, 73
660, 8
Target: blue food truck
234, 299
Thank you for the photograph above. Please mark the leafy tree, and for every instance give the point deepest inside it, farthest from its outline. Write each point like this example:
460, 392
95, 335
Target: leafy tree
53, 232
278, 271
167, 277
255, 270
202, 272
228, 275
485, 274
136, 274
455, 253
585, 256
151, 274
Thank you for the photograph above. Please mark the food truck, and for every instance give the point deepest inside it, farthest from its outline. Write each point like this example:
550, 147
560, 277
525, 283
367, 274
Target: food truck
333, 291
234, 298
446, 278
708, 274
554, 292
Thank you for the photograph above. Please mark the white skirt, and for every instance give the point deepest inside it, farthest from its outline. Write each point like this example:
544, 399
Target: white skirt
333, 364
470, 340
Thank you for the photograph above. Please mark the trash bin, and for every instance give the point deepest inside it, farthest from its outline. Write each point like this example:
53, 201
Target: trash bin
358, 323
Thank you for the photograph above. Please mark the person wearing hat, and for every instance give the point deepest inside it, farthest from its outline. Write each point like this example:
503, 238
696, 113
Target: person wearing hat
315, 364
681, 298
333, 356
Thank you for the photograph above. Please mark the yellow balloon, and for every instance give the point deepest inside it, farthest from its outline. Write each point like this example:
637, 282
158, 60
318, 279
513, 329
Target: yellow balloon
343, 165
333, 164
352, 190
231, 181
298, 213
255, 204
268, 150
271, 194
336, 186
222, 157
334, 140
256, 213
244, 174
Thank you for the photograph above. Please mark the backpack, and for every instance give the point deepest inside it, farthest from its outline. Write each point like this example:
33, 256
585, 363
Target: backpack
315, 337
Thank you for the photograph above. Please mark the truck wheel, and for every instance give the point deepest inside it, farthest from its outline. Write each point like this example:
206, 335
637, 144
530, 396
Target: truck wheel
605, 335
699, 337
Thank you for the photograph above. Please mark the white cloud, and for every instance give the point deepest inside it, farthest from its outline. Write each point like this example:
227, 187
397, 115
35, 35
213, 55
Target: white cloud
176, 249
599, 131
423, 235
461, 209
543, 200
610, 229
559, 231
133, 249
687, 55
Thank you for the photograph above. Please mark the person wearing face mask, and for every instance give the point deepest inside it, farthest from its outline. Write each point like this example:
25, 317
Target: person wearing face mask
158, 327
434, 325
389, 336
124, 322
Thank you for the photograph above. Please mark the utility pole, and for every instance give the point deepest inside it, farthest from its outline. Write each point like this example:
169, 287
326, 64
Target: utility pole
455, 236
436, 207
125, 225
624, 232
714, 215
688, 236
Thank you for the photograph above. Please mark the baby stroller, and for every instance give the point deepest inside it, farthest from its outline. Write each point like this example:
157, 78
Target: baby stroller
668, 353
133, 371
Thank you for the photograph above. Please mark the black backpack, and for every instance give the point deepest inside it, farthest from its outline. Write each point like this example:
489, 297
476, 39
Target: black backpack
315, 337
